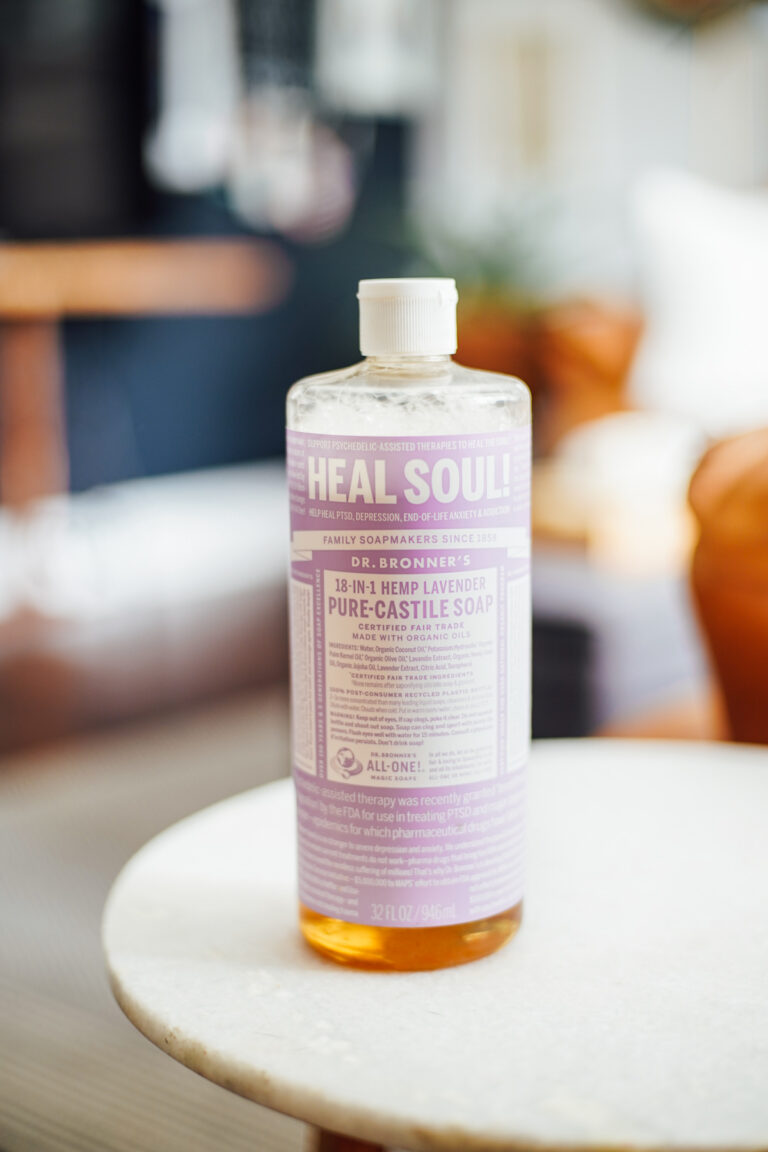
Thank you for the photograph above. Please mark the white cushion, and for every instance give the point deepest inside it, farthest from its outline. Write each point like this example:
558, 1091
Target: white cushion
704, 265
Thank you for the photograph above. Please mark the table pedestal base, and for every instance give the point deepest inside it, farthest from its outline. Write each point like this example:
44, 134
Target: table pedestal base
332, 1142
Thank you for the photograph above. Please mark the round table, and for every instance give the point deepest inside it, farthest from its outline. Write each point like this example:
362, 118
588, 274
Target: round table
631, 1009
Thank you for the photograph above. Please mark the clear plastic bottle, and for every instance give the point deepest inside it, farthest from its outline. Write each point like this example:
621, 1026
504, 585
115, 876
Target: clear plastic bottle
410, 646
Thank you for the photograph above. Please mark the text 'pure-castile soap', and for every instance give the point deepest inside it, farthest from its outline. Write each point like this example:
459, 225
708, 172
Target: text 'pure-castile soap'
409, 485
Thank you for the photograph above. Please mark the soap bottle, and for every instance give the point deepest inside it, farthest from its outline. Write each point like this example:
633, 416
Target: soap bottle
409, 481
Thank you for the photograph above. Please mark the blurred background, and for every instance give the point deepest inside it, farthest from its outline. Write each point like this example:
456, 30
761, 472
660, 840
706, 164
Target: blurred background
189, 193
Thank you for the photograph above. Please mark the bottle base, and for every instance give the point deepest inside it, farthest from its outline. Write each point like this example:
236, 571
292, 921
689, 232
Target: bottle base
407, 949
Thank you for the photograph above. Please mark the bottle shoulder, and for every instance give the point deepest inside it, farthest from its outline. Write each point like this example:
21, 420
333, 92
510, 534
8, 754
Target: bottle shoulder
481, 378
324, 379
415, 399
448, 374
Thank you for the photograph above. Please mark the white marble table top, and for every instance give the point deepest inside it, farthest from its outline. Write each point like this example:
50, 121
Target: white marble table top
631, 1009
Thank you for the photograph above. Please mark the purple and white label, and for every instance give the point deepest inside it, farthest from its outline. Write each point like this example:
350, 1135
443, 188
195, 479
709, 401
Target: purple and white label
410, 651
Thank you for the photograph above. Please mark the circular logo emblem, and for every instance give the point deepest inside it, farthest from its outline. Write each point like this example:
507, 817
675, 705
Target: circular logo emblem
346, 763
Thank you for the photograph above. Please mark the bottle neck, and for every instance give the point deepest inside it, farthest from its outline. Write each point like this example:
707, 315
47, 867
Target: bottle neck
407, 363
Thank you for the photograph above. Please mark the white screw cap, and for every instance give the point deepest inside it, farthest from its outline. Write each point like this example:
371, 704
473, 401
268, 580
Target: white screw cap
414, 316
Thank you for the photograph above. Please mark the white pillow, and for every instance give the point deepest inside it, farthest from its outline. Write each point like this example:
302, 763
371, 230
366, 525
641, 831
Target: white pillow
704, 264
